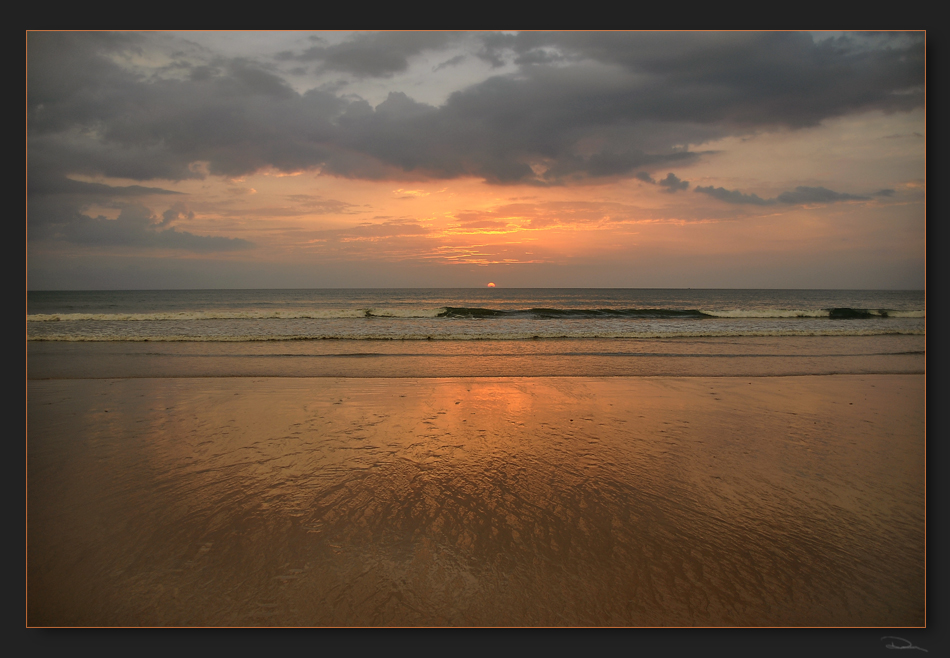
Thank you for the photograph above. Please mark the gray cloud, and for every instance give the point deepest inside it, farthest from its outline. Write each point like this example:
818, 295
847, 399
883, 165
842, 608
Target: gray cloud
137, 227
379, 54
800, 196
747, 78
317, 205
816, 195
672, 183
734, 196
610, 164
173, 214
454, 61
539, 56
62, 185
239, 117
642, 96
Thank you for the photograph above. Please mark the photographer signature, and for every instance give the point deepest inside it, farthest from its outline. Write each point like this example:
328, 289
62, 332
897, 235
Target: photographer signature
907, 644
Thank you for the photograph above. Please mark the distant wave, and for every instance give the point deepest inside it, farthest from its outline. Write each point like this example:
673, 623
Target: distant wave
468, 313
711, 332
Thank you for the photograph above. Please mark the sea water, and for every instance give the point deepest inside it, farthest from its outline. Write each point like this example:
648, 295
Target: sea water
474, 332
466, 314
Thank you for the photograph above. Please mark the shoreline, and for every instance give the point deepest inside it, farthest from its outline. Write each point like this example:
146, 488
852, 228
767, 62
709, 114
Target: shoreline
670, 357
532, 501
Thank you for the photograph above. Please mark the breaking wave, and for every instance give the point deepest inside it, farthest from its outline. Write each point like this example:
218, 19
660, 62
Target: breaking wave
475, 313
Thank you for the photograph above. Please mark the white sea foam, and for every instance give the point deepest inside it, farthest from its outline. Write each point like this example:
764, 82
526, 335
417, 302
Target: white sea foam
907, 314
807, 313
297, 314
405, 312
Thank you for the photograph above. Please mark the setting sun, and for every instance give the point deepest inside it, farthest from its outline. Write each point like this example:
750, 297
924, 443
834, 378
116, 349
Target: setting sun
491, 285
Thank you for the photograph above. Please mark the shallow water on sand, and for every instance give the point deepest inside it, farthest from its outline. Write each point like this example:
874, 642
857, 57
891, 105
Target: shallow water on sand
491, 501
748, 356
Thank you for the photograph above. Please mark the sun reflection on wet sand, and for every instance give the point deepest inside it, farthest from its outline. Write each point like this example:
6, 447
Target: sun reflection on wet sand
508, 501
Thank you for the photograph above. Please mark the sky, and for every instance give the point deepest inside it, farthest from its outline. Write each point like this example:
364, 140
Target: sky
175, 160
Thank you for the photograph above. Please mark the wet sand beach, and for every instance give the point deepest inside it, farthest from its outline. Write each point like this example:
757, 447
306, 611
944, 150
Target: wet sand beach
527, 501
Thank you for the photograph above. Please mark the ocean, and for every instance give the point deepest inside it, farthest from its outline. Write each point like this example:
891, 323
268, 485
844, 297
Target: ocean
474, 332
476, 458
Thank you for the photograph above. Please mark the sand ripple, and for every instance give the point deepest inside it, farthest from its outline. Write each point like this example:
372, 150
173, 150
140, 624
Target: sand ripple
773, 501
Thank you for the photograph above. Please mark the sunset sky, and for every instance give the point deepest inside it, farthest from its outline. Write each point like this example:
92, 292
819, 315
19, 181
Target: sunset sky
455, 159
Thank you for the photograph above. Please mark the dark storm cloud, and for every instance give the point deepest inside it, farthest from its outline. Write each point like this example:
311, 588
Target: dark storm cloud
704, 85
238, 118
754, 79
800, 196
378, 55
643, 97
498, 129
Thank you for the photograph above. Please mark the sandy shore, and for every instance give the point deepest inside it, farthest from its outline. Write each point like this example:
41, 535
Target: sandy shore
772, 356
493, 501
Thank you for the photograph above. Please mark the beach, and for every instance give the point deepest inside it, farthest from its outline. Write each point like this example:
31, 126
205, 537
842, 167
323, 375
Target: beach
467, 457
477, 501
